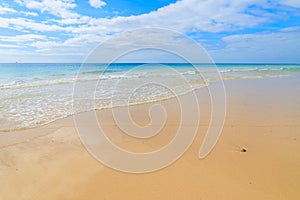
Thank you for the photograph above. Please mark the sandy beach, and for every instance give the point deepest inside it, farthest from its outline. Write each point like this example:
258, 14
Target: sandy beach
256, 157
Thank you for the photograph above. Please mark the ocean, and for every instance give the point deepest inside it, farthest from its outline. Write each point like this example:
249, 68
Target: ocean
36, 94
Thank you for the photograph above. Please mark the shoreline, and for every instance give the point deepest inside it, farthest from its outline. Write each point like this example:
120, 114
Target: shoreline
142, 103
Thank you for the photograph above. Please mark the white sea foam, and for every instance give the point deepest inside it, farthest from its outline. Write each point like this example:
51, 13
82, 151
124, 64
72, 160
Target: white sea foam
41, 95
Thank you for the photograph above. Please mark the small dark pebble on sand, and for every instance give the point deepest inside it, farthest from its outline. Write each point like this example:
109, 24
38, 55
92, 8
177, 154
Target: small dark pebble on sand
243, 150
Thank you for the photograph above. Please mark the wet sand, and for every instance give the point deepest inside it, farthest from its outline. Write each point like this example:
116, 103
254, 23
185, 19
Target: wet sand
263, 118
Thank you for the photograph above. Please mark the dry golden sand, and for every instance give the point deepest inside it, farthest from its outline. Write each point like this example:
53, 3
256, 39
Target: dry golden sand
263, 117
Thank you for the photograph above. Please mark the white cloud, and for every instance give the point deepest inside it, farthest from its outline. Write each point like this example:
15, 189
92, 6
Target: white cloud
5, 10
22, 38
20, 2
74, 21
6, 46
185, 16
21, 55
29, 13
292, 3
3, 24
97, 3
23, 24
60, 8
281, 46
79, 45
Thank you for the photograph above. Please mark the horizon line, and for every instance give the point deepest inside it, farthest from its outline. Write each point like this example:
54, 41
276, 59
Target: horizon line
216, 63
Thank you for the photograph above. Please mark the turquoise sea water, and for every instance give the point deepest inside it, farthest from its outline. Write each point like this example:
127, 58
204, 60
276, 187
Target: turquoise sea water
36, 94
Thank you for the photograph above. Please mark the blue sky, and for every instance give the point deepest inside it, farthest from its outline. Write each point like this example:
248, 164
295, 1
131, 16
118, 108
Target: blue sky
230, 30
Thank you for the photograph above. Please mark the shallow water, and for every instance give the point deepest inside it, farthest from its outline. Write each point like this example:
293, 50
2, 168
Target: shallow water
36, 94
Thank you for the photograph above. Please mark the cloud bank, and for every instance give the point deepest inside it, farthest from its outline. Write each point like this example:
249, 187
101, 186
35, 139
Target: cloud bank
69, 32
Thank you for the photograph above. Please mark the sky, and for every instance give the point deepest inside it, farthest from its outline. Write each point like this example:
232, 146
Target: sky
231, 31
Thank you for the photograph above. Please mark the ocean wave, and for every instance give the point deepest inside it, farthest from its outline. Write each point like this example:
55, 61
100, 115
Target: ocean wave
58, 74
100, 71
258, 69
30, 84
45, 102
